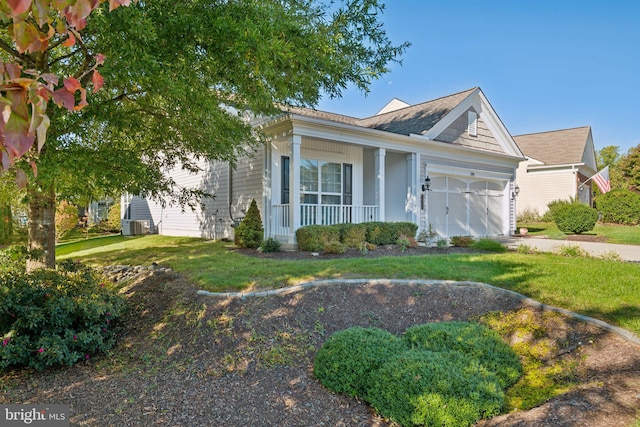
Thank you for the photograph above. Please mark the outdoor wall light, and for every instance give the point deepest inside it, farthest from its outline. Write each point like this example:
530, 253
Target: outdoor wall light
516, 191
427, 184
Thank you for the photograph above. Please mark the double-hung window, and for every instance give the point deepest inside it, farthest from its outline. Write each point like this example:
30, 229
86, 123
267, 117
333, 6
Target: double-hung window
320, 182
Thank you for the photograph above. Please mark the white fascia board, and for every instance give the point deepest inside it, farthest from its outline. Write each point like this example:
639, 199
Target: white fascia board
565, 167
344, 132
457, 111
498, 128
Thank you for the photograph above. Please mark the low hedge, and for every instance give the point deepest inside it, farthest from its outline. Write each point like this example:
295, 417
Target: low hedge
315, 237
353, 235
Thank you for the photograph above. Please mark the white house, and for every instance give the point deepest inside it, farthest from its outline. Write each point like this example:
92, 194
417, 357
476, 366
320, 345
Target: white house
449, 163
558, 164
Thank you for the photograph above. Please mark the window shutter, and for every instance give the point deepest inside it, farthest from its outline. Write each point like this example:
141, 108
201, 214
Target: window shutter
284, 185
472, 128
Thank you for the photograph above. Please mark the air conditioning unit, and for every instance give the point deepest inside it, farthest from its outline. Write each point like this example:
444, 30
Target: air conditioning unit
125, 224
135, 227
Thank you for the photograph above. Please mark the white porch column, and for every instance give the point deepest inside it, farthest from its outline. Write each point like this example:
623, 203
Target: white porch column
294, 185
413, 196
380, 181
267, 196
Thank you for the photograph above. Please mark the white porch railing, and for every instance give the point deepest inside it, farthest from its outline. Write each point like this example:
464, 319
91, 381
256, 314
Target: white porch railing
322, 215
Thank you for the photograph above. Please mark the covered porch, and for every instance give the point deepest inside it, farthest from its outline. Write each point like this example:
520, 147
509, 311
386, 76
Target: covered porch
325, 182
317, 214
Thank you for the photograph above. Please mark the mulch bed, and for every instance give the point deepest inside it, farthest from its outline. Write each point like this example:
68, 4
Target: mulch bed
191, 360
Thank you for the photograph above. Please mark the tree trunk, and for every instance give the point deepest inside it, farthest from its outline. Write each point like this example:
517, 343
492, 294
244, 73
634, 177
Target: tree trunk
42, 229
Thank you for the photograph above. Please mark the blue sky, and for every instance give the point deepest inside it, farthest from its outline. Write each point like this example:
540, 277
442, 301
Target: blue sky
543, 65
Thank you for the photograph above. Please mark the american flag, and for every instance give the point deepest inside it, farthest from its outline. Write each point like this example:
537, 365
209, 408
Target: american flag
602, 180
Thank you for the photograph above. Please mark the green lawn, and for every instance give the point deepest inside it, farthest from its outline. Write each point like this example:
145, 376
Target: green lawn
614, 233
606, 290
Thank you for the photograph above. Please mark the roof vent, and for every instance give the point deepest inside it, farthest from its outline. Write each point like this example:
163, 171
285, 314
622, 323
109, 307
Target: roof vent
472, 127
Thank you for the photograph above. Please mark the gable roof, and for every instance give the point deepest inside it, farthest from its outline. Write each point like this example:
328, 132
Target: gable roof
558, 147
429, 120
415, 119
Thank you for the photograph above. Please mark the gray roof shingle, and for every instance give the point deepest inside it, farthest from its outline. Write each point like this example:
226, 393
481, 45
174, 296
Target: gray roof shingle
415, 119
558, 147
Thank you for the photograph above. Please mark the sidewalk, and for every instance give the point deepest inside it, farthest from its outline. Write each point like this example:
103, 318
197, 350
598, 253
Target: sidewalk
626, 252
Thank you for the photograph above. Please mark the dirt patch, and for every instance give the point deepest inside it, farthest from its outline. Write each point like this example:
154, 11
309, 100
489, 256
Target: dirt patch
191, 360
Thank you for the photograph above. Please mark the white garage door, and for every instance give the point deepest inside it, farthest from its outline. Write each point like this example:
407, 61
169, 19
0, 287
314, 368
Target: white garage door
466, 207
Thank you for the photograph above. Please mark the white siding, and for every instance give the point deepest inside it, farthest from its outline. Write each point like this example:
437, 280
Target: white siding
397, 188
458, 133
211, 219
247, 184
538, 188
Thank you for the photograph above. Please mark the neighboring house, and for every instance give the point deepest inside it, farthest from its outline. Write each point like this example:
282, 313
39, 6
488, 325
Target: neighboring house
558, 165
95, 212
325, 168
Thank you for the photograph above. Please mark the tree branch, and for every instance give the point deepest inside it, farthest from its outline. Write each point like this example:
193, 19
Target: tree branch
25, 60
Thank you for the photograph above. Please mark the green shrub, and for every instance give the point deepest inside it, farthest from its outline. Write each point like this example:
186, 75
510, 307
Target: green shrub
313, 237
353, 235
442, 243
381, 233
13, 259
250, 233
549, 215
408, 229
270, 245
334, 247
346, 360
418, 388
388, 233
462, 241
474, 340
6, 224
51, 317
619, 207
575, 218
438, 374
489, 245
404, 243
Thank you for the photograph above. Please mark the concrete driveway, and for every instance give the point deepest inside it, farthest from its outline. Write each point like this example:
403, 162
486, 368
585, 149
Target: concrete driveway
626, 252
